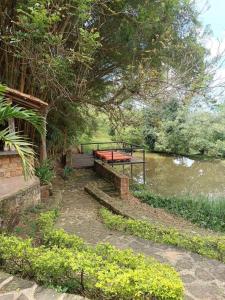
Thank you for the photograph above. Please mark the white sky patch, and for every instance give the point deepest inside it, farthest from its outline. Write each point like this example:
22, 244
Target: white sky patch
220, 75
212, 16
215, 46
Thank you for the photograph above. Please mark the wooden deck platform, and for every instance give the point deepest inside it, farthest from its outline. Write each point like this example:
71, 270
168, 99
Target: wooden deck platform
82, 161
124, 155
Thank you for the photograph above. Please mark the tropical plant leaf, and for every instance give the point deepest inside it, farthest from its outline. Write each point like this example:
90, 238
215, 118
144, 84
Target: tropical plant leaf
13, 140
23, 147
7, 111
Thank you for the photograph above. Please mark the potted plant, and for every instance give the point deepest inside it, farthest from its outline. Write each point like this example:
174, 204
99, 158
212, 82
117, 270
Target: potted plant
67, 171
45, 172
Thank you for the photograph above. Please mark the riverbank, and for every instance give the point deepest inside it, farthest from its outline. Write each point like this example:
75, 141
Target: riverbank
202, 211
196, 156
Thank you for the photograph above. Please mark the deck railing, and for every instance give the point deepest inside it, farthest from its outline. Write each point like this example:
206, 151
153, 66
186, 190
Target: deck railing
99, 146
124, 147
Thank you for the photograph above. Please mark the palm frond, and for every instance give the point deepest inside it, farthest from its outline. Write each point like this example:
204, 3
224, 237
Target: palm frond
8, 111
12, 139
23, 148
2, 89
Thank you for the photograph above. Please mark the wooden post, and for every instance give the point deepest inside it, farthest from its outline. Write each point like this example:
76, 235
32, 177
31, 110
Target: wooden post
11, 124
131, 172
112, 160
144, 172
43, 147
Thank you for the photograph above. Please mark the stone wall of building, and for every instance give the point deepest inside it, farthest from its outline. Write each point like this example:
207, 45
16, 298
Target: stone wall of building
10, 165
120, 182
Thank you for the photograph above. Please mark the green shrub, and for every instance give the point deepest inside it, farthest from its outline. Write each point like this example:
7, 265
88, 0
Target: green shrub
212, 247
45, 172
102, 272
67, 172
57, 237
203, 211
121, 273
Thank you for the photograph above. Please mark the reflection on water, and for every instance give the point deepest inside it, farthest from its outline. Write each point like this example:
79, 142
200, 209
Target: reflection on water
170, 175
185, 161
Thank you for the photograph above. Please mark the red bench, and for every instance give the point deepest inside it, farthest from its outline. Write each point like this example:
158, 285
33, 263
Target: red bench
112, 155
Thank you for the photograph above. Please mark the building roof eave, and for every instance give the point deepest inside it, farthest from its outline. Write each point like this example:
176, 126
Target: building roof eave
25, 99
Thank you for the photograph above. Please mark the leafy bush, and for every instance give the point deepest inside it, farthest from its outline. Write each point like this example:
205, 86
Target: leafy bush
137, 187
174, 128
102, 272
57, 237
205, 212
212, 247
45, 172
67, 171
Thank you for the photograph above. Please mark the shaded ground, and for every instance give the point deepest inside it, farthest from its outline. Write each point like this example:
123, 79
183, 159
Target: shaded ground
204, 279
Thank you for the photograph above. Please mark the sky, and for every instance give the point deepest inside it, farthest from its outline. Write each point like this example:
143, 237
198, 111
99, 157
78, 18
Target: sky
213, 14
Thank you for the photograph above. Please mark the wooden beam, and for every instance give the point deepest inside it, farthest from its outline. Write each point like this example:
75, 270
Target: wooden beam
25, 99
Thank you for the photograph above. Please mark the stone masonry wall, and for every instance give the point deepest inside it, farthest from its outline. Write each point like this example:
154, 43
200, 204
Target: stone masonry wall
10, 165
120, 182
11, 205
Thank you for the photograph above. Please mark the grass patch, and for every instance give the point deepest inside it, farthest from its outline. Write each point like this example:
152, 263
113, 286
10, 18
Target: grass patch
206, 212
66, 263
212, 247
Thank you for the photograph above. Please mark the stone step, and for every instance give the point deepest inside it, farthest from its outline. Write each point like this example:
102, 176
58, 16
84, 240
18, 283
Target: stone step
104, 199
108, 189
12, 287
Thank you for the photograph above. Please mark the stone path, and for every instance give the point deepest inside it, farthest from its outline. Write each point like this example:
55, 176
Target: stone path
13, 288
204, 279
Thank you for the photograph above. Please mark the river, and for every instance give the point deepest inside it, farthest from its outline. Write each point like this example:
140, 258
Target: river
179, 175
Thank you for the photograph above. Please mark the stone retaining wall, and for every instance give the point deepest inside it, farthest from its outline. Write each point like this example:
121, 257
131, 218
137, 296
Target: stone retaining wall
12, 204
120, 182
10, 165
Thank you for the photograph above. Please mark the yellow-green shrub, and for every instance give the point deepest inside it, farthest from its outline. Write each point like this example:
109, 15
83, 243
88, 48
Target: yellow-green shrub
51, 236
120, 274
213, 247
100, 272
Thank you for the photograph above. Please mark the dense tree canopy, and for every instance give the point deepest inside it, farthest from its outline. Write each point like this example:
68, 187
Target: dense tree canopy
78, 53
176, 129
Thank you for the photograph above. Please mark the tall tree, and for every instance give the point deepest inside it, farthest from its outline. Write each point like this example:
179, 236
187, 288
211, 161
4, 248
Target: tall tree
100, 52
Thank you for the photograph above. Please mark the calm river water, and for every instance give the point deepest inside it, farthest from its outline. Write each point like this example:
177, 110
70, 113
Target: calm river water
178, 175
